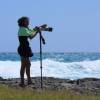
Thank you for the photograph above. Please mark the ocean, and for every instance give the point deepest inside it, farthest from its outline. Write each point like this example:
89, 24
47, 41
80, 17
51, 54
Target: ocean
59, 65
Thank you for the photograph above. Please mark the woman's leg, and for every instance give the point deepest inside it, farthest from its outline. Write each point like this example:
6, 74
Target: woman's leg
22, 70
28, 65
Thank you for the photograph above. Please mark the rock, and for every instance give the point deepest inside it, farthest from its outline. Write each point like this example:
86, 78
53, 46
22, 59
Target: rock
50, 83
1, 79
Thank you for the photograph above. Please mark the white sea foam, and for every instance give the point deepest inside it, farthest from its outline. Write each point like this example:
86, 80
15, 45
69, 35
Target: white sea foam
74, 70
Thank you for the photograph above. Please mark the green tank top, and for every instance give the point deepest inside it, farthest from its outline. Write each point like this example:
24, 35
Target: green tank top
23, 31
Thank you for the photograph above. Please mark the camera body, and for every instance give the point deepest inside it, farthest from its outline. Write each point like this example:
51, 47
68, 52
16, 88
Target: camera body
46, 28
43, 27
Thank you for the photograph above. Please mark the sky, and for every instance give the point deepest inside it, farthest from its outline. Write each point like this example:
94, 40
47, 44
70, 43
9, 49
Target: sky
76, 24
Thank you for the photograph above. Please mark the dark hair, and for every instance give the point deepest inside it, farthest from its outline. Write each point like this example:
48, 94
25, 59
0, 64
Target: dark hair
22, 20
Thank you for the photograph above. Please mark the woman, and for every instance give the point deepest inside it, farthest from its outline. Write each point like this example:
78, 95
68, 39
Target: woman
24, 49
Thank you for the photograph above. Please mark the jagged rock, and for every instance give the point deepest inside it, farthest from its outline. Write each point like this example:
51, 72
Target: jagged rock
50, 83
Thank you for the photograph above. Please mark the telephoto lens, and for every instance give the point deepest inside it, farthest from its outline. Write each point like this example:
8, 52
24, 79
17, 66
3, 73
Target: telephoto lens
50, 29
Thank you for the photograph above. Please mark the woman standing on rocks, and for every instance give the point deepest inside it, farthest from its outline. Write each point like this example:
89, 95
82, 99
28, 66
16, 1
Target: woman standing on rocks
24, 50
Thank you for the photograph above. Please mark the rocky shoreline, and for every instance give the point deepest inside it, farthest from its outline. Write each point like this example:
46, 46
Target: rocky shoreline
49, 83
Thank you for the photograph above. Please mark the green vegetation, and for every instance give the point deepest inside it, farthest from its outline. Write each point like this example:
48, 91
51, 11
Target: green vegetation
7, 93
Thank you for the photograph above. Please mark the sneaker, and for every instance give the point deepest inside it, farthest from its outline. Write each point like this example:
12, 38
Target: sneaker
22, 85
30, 82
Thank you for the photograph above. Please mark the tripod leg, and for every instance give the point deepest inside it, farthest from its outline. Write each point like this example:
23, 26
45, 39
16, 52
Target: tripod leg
41, 60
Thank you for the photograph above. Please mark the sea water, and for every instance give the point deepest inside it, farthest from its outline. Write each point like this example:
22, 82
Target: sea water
59, 65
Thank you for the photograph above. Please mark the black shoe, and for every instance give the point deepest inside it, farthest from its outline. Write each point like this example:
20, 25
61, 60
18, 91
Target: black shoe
29, 82
22, 85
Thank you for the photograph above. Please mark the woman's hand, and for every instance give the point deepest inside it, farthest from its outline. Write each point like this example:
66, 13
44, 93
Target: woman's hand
38, 29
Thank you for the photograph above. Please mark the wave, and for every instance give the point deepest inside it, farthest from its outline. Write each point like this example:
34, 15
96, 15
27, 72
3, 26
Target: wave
51, 68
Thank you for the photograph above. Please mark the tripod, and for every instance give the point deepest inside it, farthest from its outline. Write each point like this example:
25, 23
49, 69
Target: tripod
42, 41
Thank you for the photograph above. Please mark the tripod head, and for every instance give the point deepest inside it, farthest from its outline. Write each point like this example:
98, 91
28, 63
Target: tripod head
42, 38
41, 28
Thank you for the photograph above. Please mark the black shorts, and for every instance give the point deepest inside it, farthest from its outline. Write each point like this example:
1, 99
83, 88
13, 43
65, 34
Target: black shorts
25, 51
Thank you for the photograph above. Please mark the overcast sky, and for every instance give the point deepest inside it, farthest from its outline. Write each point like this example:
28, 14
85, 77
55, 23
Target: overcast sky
76, 24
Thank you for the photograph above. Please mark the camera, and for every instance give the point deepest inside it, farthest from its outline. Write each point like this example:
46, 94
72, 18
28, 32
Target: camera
43, 27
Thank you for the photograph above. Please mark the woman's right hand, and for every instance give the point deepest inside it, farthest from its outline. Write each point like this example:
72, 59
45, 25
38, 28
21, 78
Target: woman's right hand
38, 29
